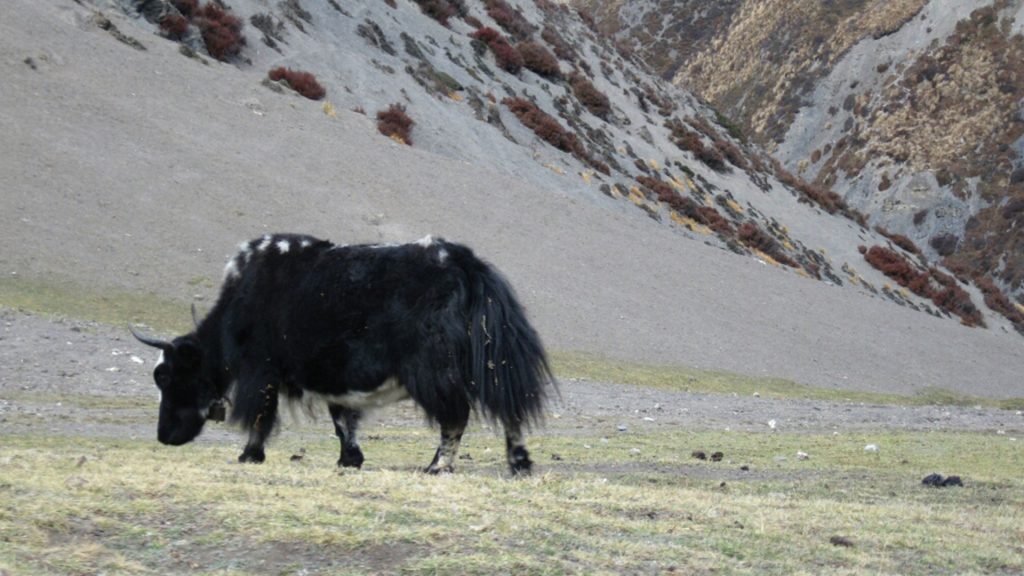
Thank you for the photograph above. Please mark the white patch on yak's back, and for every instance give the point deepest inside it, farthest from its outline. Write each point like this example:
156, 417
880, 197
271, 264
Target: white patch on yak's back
427, 241
283, 246
231, 270
305, 243
442, 255
264, 244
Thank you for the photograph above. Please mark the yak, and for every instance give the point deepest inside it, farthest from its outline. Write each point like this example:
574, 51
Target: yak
300, 319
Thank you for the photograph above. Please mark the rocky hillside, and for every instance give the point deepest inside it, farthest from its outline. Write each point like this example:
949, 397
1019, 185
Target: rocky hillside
909, 109
143, 140
501, 84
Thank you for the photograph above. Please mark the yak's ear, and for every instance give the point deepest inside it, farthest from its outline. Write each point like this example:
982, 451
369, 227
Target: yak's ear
188, 354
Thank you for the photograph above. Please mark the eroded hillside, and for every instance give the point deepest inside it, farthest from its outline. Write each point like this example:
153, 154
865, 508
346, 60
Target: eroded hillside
910, 110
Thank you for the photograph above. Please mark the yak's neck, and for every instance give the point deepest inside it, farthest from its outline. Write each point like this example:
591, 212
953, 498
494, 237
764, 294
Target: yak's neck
209, 334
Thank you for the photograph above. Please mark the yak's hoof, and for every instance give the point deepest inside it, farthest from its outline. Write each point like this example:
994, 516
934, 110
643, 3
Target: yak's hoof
352, 458
252, 457
522, 468
435, 470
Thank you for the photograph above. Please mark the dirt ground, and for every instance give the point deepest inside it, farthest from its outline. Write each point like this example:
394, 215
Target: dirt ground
68, 377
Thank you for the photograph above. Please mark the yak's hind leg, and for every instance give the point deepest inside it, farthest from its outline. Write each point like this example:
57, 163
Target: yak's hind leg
346, 425
518, 457
444, 458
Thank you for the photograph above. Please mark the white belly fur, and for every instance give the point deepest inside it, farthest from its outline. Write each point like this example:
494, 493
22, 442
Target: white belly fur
388, 393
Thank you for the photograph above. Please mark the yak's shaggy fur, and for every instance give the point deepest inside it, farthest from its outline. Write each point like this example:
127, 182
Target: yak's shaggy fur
357, 326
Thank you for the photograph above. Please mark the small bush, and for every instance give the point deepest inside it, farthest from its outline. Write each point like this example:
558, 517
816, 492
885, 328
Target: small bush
689, 141
591, 98
439, 10
731, 153
899, 240
507, 57
998, 302
395, 123
302, 82
174, 26
544, 126
509, 19
537, 59
562, 49
895, 266
221, 31
752, 235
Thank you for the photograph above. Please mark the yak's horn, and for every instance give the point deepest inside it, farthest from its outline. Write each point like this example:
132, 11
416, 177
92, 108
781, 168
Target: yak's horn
195, 315
161, 344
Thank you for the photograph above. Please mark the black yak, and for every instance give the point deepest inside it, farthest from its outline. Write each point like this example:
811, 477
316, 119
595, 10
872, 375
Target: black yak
302, 319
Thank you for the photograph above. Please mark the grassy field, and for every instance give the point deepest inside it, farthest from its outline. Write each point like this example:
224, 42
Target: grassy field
633, 503
84, 496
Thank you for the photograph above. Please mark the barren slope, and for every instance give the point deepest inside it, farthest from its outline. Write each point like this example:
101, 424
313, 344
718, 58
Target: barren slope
141, 170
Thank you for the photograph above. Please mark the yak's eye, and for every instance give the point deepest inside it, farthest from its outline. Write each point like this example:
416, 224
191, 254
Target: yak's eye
162, 375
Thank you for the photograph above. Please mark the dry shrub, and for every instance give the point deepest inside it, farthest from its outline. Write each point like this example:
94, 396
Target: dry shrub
544, 126
732, 153
302, 82
899, 240
507, 57
947, 294
562, 49
537, 59
221, 31
705, 215
752, 235
997, 301
174, 26
591, 98
439, 10
689, 141
509, 19
395, 123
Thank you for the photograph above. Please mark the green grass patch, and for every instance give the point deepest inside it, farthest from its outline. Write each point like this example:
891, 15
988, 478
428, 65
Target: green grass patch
594, 367
604, 508
59, 298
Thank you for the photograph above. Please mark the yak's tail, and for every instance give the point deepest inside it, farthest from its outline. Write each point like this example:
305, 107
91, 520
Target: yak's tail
508, 368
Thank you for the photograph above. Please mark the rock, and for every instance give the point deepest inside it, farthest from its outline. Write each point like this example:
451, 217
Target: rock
841, 541
802, 456
771, 424
871, 448
622, 428
937, 481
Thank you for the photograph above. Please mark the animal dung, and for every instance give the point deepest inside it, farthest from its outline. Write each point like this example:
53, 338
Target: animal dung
937, 481
699, 455
841, 541
717, 457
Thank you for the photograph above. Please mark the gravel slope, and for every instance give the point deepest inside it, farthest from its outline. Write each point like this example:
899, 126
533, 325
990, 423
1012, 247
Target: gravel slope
141, 170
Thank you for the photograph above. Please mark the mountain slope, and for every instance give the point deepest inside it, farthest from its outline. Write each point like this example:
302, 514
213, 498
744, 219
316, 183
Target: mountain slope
141, 169
911, 110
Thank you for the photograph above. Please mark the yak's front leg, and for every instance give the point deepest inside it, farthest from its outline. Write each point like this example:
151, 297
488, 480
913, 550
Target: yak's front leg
260, 425
346, 425
444, 458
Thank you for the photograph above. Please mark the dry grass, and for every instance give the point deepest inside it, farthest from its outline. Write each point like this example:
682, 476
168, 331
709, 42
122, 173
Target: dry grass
623, 504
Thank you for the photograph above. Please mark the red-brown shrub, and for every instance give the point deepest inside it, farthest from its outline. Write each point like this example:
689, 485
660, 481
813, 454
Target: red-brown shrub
752, 235
537, 59
997, 301
507, 57
731, 153
688, 140
506, 17
591, 98
221, 31
544, 126
562, 49
439, 10
174, 26
395, 123
899, 240
895, 266
302, 82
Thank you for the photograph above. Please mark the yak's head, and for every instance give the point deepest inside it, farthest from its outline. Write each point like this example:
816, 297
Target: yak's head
187, 398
